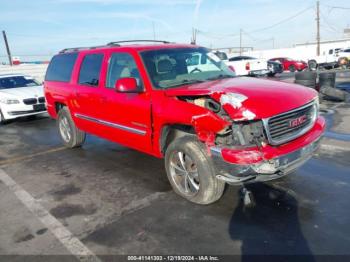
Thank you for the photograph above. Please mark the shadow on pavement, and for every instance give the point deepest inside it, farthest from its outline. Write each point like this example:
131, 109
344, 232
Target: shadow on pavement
270, 227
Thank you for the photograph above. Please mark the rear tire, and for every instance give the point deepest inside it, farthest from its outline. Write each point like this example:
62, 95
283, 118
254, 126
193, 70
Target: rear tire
191, 172
71, 136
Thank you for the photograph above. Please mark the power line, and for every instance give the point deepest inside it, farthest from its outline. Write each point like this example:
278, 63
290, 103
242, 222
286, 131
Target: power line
325, 19
211, 35
338, 7
282, 21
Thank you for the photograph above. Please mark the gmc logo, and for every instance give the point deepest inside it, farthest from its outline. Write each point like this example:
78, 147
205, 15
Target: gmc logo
297, 121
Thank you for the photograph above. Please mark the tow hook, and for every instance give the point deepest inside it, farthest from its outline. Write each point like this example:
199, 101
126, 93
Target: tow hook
247, 197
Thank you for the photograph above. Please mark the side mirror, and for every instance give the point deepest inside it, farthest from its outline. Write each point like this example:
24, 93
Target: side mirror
127, 85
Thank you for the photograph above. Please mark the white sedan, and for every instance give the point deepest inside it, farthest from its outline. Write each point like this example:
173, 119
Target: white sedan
20, 95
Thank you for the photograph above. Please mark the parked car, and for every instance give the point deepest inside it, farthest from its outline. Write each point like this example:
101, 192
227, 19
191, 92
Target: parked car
328, 60
211, 127
20, 95
290, 64
274, 67
248, 66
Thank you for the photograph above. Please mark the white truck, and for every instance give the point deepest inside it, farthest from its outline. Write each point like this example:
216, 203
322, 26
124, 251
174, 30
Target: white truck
246, 65
332, 58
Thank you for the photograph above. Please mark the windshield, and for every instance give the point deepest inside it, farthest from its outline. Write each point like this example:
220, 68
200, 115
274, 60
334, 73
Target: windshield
17, 81
179, 66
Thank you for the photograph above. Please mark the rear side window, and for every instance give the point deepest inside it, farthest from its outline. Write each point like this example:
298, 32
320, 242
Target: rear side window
61, 67
90, 70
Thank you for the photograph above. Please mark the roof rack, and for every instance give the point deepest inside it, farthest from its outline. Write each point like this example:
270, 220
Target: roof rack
117, 43
74, 49
135, 41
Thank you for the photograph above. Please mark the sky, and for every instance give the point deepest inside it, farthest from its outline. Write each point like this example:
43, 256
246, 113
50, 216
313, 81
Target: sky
43, 27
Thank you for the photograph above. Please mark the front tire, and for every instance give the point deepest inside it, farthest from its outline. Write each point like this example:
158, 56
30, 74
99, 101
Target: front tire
2, 118
292, 68
191, 172
71, 136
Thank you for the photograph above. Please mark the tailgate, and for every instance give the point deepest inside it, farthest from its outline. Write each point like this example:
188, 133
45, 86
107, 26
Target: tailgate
257, 65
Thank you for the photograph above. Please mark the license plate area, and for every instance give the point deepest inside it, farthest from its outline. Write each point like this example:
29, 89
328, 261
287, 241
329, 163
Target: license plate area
39, 107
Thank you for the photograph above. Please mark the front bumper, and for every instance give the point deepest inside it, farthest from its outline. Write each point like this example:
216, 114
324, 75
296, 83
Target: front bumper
21, 110
238, 166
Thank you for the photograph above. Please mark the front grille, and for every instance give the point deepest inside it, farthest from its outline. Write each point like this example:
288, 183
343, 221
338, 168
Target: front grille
30, 101
41, 99
290, 125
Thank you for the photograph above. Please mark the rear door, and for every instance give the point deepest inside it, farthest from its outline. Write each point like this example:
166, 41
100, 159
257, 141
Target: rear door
87, 92
126, 116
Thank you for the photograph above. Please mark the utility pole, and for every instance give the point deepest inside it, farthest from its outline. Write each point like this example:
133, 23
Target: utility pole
318, 37
154, 31
240, 42
273, 43
194, 36
7, 47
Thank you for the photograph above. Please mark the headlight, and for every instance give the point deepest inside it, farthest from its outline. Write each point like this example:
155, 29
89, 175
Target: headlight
9, 101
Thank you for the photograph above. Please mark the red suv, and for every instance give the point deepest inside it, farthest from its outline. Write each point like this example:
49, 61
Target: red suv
291, 64
211, 127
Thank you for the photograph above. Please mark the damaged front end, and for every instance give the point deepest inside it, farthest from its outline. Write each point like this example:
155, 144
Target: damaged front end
240, 147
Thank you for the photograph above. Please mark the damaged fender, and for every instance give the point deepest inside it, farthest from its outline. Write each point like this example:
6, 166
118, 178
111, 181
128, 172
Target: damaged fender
207, 125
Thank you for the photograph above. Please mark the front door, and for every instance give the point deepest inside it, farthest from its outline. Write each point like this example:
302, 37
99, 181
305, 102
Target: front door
127, 116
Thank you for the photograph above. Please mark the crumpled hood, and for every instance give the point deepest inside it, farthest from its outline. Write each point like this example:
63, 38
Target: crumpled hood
246, 98
22, 92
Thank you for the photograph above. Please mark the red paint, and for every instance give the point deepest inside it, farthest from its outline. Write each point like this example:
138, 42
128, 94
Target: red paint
126, 85
287, 63
151, 110
254, 155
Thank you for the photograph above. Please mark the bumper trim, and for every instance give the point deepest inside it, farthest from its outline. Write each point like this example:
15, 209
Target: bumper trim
236, 174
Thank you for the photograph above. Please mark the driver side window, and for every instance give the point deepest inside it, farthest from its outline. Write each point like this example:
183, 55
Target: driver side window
121, 65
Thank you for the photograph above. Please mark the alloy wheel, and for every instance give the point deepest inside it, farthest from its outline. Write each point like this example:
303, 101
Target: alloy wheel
65, 129
184, 173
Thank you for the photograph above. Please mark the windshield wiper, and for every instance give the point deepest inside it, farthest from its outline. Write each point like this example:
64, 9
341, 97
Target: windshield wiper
221, 76
185, 82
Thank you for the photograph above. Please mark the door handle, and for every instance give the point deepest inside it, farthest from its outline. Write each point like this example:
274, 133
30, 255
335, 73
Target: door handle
103, 99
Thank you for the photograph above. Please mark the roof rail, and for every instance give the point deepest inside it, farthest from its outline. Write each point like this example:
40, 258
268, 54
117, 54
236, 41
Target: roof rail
74, 49
135, 41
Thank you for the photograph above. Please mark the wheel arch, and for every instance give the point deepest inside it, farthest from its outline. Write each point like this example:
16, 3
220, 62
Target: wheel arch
59, 106
173, 131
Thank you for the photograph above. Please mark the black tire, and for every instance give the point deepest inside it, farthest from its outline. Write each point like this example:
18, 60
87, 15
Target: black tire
327, 80
71, 136
312, 64
306, 78
307, 83
333, 94
210, 189
291, 68
2, 119
271, 74
306, 75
